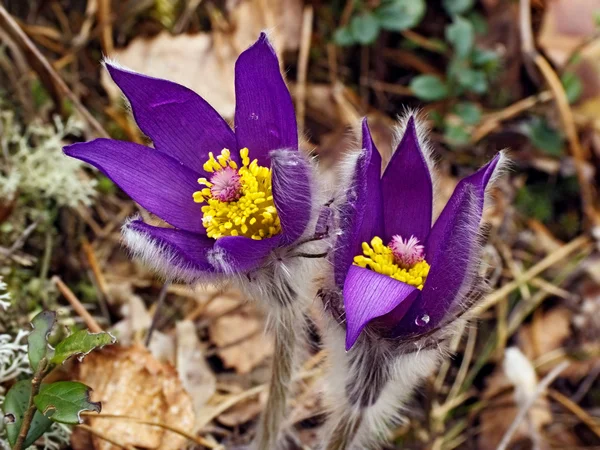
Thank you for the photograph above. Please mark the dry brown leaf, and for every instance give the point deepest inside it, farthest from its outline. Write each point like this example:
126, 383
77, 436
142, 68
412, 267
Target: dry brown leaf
550, 332
566, 25
499, 415
130, 382
241, 413
241, 340
205, 62
195, 374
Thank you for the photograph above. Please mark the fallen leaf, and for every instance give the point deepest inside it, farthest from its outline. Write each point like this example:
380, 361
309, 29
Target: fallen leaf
131, 382
196, 376
205, 62
241, 340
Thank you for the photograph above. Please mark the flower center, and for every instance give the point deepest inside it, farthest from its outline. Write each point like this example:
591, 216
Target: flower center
402, 260
238, 201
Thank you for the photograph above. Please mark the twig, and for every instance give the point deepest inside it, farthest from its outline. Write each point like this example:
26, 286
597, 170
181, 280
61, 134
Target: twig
588, 196
104, 437
184, 18
159, 304
542, 386
494, 120
548, 261
8, 23
576, 410
7, 253
105, 22
77, 306
98, 277
195, 439
303, 56
36, 382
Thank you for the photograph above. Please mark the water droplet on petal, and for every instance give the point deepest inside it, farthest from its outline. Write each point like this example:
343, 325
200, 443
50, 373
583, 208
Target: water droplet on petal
423, 320
254, 116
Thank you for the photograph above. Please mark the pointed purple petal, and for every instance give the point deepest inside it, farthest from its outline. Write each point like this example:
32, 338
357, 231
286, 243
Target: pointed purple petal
181, 250
361, 216
369, 295
264, 116
407, 190
179, 122
479, 180
156, 181
451, 251
239, 254
291, 192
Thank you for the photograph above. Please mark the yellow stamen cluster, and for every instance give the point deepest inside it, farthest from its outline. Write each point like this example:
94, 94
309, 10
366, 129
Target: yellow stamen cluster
253, 214
379, 257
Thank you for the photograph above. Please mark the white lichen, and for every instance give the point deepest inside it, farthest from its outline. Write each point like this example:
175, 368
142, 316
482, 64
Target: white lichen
4, 296
32, 163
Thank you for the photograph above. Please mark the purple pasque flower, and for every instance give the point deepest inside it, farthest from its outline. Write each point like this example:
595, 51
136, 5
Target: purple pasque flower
396, 270
230, 197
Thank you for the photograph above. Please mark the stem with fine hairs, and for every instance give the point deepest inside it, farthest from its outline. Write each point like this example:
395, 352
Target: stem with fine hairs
286, 339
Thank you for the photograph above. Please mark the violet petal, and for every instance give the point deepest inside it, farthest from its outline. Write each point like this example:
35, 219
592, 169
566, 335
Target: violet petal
264, 114
407, 190
156, 181
291, 192
240, 254
368, 295
453, 259
179, 122
182, 249
361, 216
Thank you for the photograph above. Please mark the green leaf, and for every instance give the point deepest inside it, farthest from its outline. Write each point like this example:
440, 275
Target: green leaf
364, 28
573, 86
343, 37
487, 60
64, 401
472, 80
453, 7
461, 35
399, 15
429, 88
480, 25
38, 338
456, 136
469, 112
544, 137
80, 343
15, 405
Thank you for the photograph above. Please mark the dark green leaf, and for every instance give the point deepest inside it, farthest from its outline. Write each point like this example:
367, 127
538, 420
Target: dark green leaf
429, 88
343, 37
469, 112
458, 6
398, 15
472, 80
80, 343
364, 28
544, 137
480, 25
573, 86
15, 405
64, 401
461, 35
38, 338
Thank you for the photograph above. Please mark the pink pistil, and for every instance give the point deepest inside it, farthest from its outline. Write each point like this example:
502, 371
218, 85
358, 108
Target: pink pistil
226, 185
407, 252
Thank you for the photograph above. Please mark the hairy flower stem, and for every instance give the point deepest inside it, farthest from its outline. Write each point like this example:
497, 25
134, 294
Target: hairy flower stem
286, 340
344, 432
36, 382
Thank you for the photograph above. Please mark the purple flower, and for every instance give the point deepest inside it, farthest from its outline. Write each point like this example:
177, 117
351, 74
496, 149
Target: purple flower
397, 271
231, 198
